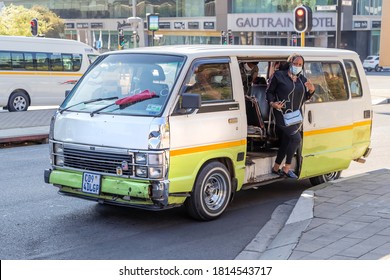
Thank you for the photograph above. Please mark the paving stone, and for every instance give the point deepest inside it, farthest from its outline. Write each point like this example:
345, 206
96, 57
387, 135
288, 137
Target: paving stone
365, 246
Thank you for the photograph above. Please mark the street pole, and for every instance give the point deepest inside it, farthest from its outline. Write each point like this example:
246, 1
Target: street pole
302, 39
338, 28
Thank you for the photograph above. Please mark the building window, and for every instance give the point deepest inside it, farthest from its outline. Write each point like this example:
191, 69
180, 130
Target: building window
367, 7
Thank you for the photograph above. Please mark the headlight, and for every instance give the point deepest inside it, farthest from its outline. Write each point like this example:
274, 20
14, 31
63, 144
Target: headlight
141, 171
155, 172
58, 148
155, 159
140, 158
59, 161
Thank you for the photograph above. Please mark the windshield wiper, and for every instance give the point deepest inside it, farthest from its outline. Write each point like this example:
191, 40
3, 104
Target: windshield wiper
87, 102
129, 100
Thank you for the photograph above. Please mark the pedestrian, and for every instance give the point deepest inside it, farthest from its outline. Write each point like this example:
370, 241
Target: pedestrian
287, 91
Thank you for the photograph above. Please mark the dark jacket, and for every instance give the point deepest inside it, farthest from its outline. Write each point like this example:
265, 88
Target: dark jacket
282, 87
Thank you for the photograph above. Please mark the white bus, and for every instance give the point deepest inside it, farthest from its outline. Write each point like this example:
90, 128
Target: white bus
38, 71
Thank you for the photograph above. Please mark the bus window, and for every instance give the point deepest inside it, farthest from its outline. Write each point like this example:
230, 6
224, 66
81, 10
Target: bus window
68, 62
77, 59
17, 60
42, 61
29, 61
5, 61
56, 62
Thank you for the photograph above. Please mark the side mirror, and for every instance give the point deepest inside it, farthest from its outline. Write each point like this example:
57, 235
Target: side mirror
190, 101
67, 93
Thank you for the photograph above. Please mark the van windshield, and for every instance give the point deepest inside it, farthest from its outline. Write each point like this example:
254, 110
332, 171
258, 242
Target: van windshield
120, 77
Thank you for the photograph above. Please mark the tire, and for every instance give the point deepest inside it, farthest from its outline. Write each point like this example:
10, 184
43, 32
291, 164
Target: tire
378, 68
18, 101
211, 193
369, 69
325, 178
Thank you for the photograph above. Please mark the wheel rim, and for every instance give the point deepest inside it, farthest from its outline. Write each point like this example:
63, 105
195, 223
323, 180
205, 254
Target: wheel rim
331, 176
215, 192
19, 103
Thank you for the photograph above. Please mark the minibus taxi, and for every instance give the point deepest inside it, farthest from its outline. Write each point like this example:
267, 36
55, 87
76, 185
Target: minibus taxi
135, 132
37, 71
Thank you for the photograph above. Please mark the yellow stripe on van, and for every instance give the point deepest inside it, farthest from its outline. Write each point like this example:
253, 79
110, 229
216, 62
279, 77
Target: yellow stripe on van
41, 73
336, 129
207, 148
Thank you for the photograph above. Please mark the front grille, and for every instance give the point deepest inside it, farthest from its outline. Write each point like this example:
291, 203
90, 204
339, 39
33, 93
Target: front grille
97, 161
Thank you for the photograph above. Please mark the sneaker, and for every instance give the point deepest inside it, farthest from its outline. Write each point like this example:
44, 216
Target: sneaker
290, 174
279, 172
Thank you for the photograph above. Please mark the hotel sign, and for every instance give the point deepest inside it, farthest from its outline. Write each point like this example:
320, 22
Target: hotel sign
278, 22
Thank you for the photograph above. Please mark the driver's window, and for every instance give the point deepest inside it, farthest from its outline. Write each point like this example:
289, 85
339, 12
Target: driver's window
212, 81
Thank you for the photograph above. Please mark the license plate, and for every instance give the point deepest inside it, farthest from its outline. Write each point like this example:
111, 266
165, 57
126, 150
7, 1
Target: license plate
91, 183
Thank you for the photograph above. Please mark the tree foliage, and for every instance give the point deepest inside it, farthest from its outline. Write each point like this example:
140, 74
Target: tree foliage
15, 20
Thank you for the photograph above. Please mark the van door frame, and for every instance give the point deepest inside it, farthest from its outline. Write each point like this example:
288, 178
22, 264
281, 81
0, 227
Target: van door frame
327, 132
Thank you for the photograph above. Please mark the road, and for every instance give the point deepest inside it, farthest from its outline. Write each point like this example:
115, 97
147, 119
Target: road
37, 223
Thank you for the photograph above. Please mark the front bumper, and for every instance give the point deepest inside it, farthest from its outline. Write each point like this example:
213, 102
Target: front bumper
152, 195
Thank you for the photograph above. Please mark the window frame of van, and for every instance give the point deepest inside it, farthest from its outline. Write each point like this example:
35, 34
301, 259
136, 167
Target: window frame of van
102, 59
340, 73
207, 62
354, 67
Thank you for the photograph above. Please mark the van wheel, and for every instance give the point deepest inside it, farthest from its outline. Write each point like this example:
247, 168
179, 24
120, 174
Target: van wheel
18, 101
211, 193
325, 178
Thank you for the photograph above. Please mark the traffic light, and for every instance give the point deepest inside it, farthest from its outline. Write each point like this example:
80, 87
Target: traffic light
231, 37
303, 19
34, 27
223, 38
121, 38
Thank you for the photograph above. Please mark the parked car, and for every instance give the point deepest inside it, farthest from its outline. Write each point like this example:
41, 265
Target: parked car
372, 63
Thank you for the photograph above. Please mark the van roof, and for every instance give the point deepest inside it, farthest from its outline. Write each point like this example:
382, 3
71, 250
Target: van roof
4, 38
241, 51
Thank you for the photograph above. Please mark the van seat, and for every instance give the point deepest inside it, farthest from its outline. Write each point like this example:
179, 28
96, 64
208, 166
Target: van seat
258, 91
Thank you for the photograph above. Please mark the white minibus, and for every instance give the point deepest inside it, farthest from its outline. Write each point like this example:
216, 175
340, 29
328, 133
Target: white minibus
38, 71
137, 131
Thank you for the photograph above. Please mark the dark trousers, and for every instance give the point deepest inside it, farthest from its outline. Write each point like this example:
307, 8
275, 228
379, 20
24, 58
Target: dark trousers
290, 141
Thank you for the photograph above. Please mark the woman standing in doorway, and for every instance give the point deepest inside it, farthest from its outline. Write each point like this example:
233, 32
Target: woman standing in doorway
287, 91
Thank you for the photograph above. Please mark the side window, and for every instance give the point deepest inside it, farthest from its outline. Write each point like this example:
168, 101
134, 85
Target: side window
68, 62
77, 58
29, 61
17, 60
353, 79
42, 61
5, 61
56, 62
211, 80
328, 79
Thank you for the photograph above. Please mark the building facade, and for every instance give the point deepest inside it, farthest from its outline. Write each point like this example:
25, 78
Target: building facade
254, 22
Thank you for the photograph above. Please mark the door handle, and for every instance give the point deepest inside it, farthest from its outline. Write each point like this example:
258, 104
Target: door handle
233, 120
309, 116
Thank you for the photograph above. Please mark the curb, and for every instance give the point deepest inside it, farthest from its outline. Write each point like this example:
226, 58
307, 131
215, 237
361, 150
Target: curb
18, 139
287, 239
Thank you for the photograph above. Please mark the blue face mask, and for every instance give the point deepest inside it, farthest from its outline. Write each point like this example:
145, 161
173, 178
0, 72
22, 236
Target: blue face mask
295, 70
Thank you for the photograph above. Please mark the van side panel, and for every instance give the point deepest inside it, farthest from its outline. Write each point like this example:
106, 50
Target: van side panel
186, 163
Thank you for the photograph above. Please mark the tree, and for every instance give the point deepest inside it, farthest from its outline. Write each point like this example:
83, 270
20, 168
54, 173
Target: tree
15, 20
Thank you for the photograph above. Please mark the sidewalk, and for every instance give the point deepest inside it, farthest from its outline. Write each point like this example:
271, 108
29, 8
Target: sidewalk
347, 219
25, 126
